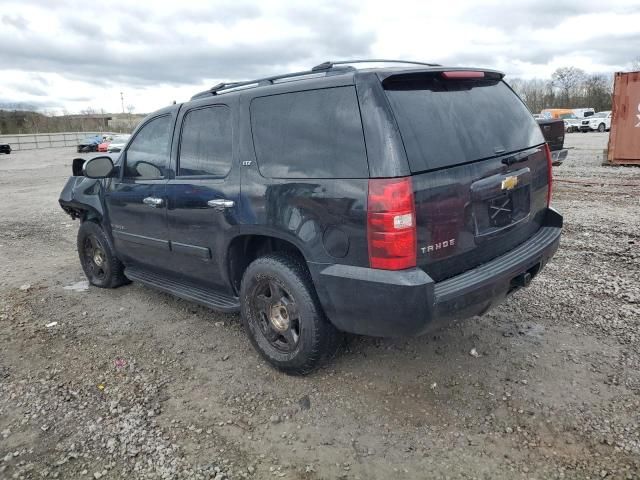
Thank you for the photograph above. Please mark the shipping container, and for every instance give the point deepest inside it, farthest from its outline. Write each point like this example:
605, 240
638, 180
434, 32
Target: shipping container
624, 139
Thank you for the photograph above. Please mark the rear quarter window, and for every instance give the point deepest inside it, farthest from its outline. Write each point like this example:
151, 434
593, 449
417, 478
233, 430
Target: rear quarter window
309, 134
445, 123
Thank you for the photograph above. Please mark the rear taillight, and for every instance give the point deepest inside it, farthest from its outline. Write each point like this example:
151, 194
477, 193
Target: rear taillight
547, 152
391, 224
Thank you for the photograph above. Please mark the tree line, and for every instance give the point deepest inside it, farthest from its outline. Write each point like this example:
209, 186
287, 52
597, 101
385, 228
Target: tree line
25, 121
568, 87
22, 119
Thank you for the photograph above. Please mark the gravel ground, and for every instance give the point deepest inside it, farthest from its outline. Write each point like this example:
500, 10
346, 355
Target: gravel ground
132, 383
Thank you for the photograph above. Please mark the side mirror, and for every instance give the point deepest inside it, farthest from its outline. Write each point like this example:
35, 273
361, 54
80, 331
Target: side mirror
98, 167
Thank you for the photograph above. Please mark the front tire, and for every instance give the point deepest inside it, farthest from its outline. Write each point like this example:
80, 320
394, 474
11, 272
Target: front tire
283, 317
98, 257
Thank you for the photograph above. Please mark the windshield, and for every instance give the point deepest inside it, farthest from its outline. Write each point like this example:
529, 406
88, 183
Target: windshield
600, 115
568, 116
120, 139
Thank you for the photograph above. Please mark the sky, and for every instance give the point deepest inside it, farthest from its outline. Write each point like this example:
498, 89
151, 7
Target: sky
69, 55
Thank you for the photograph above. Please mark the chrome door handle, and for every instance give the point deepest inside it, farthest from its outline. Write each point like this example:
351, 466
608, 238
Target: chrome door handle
220, 204
153, 202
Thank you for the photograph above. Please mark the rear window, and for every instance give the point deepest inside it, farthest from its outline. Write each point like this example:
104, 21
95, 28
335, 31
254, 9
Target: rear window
309, 134
448, 122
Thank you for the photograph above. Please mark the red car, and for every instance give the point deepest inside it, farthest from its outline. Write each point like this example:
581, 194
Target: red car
103, 146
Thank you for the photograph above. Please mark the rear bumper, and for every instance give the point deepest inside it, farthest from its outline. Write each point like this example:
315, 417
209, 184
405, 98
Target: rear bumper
408, 302
558, 156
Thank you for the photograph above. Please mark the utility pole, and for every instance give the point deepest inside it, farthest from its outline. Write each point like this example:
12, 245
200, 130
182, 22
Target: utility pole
122, 101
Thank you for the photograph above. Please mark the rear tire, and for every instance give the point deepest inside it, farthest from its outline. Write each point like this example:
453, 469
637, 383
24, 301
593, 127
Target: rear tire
602, 127
98, 257
283, 317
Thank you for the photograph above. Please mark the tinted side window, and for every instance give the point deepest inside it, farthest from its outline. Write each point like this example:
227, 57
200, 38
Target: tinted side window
148, 154
205, 143
310, 134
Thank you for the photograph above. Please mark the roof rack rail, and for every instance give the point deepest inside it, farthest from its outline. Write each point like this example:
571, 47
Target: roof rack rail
222, 86
328, 65
326, 68
232, 86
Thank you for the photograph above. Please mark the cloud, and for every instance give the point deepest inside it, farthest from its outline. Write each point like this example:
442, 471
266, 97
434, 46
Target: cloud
34, 90
147, 53
16, 21
78, 54
529, 14
82, 26
9, 104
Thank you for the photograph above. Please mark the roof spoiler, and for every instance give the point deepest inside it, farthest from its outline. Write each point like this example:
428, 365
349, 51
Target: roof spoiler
444, 73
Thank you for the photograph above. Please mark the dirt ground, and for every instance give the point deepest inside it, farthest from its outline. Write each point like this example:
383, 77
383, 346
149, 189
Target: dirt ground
133, 383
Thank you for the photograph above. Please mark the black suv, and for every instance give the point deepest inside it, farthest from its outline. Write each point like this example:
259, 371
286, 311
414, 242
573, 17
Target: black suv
376, 201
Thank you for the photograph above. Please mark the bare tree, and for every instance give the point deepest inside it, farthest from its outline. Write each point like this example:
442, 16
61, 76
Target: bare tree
567, 79
594, 91
597, 90
635, 64
130, 109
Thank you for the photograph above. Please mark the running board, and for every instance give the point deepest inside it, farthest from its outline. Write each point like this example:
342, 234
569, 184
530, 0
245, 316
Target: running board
208, 298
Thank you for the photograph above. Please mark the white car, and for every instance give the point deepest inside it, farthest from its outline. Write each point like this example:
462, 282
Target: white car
601, 122
118, 143
571, 123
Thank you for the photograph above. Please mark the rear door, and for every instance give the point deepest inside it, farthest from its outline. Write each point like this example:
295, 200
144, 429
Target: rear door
478, 164
204, 195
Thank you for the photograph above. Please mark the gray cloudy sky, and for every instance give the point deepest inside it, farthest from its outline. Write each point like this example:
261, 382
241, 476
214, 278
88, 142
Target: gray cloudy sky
69, 54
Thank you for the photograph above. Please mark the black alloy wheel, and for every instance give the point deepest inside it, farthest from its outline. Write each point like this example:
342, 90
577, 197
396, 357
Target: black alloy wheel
283, 317
95, 259
98, 257
277, 314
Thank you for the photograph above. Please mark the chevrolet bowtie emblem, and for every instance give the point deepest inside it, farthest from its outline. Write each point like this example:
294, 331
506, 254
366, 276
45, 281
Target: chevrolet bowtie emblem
509, 183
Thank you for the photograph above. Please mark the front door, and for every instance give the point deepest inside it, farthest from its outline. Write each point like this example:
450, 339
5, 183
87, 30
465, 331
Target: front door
203, 196
136, 201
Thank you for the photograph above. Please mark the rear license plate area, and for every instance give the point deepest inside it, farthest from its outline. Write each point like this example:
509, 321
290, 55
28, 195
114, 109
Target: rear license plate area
502, 211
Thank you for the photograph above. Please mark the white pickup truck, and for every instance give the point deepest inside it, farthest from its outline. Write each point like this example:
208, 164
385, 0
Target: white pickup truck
601, 122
